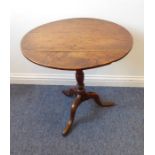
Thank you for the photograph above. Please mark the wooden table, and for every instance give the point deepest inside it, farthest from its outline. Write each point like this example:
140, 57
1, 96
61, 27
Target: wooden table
77, 44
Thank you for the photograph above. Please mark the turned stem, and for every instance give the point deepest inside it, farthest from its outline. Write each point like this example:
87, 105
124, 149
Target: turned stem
80, 79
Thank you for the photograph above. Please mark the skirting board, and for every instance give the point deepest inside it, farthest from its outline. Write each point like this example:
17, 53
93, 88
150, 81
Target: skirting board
67, 79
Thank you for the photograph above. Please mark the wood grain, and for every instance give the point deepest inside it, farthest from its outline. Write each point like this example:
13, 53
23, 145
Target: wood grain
75, 44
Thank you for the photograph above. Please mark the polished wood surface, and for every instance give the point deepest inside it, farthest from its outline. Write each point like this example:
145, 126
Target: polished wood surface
74, 44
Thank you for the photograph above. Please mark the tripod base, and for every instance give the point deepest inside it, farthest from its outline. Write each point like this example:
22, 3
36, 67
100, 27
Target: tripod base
81, 95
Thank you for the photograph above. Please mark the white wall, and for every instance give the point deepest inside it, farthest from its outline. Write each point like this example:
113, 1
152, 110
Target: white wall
28, 14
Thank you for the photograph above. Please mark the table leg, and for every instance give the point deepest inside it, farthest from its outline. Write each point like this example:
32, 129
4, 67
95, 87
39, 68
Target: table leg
70, 92
96, 98
74, 107
81, 95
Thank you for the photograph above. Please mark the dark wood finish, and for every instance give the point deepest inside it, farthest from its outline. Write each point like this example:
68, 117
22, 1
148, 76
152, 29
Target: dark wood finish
70, 92
75, 44
82, 95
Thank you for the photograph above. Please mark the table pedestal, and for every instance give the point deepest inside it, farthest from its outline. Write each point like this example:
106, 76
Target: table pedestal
81, 95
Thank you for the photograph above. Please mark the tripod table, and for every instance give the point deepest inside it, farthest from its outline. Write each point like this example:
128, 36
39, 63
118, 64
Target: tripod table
77, 44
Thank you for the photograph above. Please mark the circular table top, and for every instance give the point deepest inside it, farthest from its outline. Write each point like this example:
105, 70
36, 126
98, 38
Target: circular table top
78, 43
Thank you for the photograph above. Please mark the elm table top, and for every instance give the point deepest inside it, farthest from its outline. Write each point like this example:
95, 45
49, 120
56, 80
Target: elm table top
76, 44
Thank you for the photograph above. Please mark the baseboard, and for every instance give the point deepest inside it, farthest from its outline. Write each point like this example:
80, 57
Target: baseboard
67, 79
